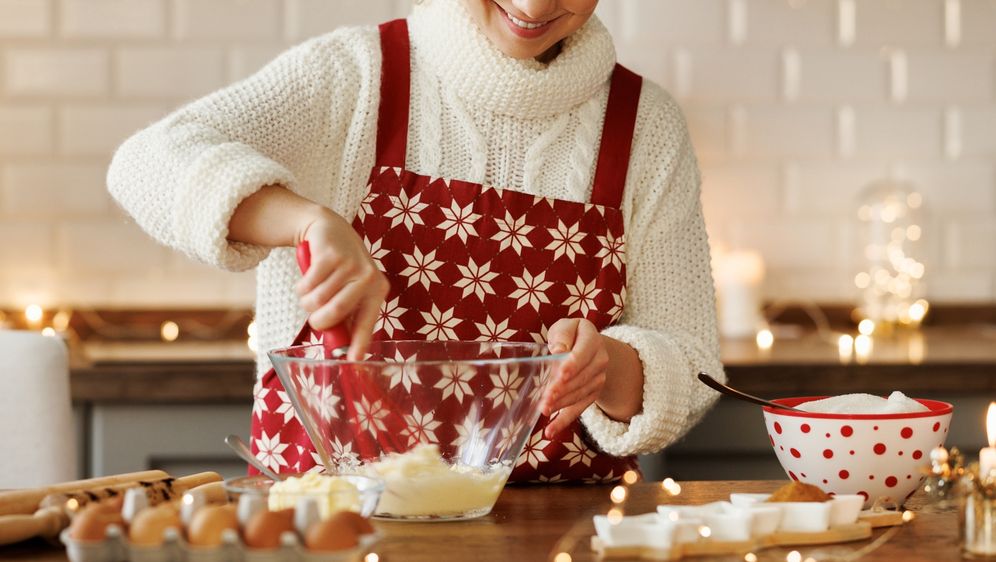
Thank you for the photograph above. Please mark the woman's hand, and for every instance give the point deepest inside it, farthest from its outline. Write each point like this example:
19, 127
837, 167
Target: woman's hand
343, 283
580, 378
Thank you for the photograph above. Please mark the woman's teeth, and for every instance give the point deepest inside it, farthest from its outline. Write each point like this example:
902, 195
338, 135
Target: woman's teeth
525, 24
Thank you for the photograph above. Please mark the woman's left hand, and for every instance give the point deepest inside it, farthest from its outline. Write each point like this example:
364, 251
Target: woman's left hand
580, 378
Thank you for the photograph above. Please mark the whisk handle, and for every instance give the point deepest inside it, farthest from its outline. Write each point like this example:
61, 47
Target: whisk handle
336, 336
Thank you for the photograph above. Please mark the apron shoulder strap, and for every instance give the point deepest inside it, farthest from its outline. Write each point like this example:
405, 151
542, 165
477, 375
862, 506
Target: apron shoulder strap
395, 90
617, 137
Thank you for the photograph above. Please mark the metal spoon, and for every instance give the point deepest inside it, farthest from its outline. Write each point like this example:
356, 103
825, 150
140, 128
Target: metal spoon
242, 450
730, 391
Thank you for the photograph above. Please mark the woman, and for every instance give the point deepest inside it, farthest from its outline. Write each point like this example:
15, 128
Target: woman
510, 154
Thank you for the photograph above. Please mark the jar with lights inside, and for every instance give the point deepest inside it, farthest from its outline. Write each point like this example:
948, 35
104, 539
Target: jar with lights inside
891, 214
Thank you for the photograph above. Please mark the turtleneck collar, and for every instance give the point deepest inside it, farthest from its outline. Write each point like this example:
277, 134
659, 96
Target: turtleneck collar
447, 41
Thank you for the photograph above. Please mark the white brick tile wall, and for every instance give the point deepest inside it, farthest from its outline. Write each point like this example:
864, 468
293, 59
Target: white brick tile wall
956, 190
54, 189
672, 22
98, 129
736, 189
227, 19
978, 125
794, 131
107, 246
900, 23
25, 129
960, 285
787, 243
898, 132
24, 18
831, 76
780, 22
952, 77
27, 245
53, 72
169, 72
307, 18
791, 116
110, 19
978, 22
730, 75
971, 244
828, 188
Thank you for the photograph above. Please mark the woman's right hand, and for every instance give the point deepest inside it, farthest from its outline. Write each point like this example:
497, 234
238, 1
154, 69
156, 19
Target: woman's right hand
343, 284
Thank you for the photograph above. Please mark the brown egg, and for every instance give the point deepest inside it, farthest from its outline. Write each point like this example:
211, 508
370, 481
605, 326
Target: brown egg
335, 533
149, 525
208, 524
360, 524
90, 524
265, 527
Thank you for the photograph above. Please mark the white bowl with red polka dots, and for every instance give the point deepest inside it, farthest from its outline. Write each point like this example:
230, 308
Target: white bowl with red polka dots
879, 456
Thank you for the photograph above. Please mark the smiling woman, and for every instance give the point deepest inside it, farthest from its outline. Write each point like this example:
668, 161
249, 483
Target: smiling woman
530, 29
481, 170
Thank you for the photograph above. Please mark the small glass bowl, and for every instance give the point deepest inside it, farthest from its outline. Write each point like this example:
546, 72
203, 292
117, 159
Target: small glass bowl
368, 490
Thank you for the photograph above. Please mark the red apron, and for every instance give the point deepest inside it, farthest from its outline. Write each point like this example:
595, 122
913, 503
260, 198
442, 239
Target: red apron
473, 262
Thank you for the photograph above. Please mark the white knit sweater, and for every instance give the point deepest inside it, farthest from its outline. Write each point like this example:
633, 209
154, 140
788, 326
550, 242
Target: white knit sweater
308, 122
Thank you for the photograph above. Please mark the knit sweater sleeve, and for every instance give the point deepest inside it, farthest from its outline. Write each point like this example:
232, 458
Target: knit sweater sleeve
182, 177
670, 315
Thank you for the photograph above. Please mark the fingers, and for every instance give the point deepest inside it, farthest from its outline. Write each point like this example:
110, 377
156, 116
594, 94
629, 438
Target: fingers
567, 416
592, 382
560, 338
347, 301
588, 350
326, 289
364, 321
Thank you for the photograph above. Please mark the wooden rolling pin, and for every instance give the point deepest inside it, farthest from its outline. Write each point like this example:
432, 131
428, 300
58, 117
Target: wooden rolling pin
51, 519
25, 502
157, 491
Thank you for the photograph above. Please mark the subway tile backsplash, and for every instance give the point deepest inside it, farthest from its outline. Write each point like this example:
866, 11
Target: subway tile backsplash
794, 106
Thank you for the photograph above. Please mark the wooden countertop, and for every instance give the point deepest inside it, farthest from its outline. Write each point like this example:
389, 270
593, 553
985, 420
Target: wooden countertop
947, 359
536, 523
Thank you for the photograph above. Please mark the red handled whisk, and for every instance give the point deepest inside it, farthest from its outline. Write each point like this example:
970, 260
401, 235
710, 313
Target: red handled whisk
351, 380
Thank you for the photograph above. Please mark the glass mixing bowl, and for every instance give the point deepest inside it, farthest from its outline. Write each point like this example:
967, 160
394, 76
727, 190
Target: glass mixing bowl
440, 422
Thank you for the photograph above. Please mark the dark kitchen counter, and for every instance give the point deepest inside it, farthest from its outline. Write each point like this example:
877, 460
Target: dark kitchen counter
942, 359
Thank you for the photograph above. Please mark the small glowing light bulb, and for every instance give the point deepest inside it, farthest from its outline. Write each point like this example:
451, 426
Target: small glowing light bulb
618, 494
169, 330
562, 557
866, 327
794, 556
631, 477
765, 339
33, 314
615, 516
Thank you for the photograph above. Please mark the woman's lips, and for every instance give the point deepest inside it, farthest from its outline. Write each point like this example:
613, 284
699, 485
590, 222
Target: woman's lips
522, 28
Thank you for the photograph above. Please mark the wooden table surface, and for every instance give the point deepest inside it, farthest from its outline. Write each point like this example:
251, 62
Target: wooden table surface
536, 523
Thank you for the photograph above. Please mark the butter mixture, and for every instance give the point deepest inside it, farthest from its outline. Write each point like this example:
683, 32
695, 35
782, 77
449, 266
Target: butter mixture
420, 483
333, 493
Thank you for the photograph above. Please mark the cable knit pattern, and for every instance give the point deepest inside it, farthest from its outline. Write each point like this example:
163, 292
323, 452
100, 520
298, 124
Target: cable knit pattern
308, 121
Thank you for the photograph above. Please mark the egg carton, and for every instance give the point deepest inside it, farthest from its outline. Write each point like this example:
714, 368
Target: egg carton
116, 548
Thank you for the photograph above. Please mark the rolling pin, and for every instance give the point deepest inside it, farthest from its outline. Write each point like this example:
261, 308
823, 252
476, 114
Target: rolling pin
53, 517
157, 490
25, 502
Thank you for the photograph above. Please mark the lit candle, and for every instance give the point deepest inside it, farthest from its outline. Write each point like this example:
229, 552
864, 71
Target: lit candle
987, 456
845, 346
863, 348
738, 285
